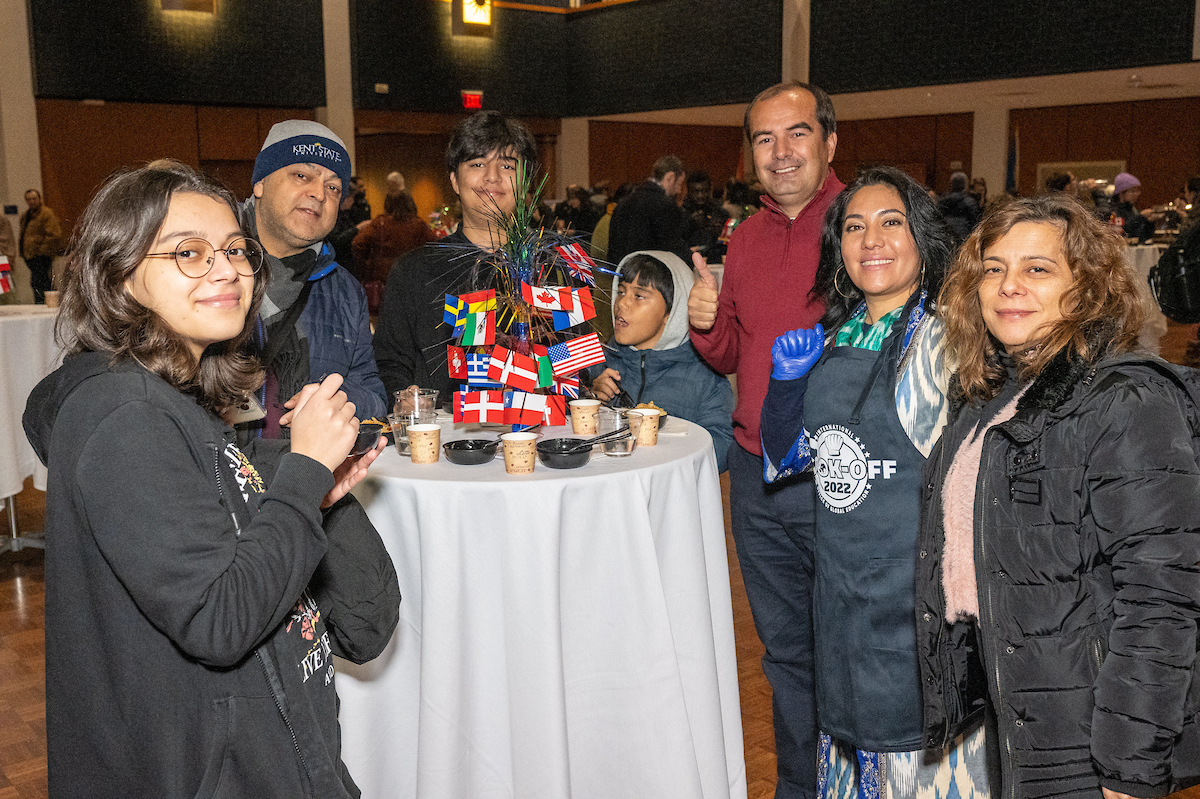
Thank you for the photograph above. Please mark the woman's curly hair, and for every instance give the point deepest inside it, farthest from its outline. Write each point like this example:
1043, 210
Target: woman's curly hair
1101, 310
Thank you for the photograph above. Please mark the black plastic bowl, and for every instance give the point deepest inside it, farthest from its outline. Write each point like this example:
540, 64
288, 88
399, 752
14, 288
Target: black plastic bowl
553, 453
368, 436
470, 451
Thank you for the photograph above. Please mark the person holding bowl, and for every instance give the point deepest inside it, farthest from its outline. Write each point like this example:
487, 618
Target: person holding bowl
862, 405
195, 591
1058, 585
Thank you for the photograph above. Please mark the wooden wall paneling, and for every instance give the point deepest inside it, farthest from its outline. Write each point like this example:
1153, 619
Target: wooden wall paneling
419, 157
845, 159
1098, 132
645, 143
876, 141
916, 141
147, 131
1042, 139
82, 144
228, 134
1164, 147
955, 141
608, 154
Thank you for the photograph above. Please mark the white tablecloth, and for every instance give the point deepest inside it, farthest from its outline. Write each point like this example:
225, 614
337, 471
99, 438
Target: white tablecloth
562, 634
1142, 259
27, 354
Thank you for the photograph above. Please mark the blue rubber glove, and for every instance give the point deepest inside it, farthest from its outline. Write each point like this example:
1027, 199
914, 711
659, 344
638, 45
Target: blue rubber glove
795, 352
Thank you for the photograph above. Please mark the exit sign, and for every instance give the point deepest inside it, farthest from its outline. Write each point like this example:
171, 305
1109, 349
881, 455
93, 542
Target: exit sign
472, 100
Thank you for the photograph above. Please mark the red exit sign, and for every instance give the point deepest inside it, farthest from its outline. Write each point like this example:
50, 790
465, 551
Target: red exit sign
472, 100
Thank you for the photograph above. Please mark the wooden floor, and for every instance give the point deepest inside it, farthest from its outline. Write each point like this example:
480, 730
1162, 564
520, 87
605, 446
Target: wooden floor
22, 655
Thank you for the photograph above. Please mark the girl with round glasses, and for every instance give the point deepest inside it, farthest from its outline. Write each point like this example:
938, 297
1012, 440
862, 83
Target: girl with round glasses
195, 591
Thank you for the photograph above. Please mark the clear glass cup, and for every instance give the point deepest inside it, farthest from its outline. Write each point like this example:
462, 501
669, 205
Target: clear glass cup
400, 422
409, 400
611, 420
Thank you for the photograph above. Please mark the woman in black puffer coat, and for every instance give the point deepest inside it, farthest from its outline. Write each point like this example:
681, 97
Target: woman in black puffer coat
1058, 580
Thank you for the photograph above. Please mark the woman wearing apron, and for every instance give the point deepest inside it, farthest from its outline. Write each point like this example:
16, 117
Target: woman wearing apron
862, 406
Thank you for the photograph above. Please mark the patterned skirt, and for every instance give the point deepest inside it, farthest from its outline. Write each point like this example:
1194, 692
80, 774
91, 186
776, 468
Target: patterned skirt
959, 772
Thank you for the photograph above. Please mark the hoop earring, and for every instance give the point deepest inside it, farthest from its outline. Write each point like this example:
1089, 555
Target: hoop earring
838, 288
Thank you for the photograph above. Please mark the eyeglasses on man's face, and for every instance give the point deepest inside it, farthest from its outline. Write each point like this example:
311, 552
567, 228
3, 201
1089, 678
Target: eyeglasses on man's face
195, 257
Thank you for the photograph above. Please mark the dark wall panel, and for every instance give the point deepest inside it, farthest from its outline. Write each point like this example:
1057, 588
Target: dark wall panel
625, 152
408, 46
905, 43
924, 147
652, 54
251, 52
658, 54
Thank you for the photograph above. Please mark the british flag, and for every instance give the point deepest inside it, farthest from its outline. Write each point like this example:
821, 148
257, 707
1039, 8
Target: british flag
5, 275
578, 263
567, 386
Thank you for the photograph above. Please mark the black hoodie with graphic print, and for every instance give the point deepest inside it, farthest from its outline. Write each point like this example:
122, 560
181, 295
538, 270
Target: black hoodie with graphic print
191, 606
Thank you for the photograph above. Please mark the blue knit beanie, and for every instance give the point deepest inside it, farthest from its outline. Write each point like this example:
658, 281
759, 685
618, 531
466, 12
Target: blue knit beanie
301, 141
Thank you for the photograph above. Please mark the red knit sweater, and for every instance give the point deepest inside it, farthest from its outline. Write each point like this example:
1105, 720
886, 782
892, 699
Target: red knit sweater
769, 271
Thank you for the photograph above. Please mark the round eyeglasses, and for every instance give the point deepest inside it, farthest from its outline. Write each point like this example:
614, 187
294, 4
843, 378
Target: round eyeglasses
195, 257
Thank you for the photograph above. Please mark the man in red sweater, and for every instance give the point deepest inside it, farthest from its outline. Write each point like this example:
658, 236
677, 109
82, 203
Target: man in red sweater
769, 270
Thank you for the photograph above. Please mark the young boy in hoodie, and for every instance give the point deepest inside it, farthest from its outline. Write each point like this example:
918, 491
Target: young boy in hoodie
650, 355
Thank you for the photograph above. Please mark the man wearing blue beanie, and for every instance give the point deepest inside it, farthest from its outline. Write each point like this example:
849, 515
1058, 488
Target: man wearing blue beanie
314, 318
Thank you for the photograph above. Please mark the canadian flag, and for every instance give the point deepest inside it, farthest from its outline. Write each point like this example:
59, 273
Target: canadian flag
548, 298
513, 369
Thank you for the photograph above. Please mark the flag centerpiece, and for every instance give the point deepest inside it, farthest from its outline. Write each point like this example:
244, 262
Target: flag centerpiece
523, 331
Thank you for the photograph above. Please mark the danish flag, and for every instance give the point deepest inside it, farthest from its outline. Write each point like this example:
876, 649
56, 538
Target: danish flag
513, 369
479, 406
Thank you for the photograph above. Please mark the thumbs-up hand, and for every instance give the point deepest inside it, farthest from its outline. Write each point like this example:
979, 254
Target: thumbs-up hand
702, 300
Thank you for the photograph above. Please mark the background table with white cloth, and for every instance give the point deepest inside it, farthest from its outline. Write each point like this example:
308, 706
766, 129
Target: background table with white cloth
1143, 259
562, 634
27, 354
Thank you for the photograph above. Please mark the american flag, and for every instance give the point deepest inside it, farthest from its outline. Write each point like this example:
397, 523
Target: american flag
571, 356
578, 262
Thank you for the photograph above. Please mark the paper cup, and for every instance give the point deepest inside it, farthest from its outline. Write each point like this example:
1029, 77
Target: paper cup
51, 299
648, 433
425, 442
400, 422
583, 416
520, 452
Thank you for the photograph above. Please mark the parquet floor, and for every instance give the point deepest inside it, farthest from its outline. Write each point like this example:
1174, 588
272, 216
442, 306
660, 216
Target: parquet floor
22, 655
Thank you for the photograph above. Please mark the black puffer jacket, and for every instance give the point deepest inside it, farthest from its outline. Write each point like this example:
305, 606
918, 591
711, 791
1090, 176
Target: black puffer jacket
1087, 540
